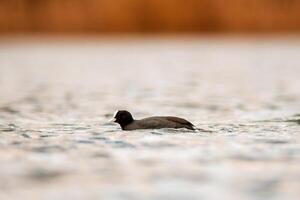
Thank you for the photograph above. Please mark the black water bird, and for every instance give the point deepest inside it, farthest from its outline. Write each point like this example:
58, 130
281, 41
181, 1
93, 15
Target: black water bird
126, 121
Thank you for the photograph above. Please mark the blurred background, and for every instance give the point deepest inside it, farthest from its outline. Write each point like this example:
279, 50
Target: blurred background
228, 66
149, 16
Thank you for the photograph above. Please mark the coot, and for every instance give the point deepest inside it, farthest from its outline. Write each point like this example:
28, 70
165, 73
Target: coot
126, 121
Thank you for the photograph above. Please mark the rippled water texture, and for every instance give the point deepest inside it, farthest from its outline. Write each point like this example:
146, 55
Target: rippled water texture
56, 97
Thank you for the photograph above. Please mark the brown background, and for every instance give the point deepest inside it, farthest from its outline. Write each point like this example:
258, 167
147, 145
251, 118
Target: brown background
143, 16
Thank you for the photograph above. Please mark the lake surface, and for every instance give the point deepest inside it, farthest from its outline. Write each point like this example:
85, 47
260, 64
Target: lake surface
57, 95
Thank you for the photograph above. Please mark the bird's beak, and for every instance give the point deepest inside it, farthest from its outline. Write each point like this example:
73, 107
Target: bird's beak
112, 120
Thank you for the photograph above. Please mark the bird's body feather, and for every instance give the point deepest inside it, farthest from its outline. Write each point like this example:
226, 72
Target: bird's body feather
159, 122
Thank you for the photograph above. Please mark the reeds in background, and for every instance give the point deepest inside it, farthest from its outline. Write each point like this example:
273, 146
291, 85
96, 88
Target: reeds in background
143, 16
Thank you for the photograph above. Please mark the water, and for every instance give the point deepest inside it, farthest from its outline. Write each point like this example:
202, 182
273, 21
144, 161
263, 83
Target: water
57, 96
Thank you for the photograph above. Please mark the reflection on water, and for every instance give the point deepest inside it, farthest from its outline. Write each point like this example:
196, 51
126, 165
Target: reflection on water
56, 99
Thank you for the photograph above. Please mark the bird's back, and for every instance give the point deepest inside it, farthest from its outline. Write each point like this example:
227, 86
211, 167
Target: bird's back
158, 122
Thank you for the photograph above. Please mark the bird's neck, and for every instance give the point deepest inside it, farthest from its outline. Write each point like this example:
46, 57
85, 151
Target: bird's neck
124, 124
